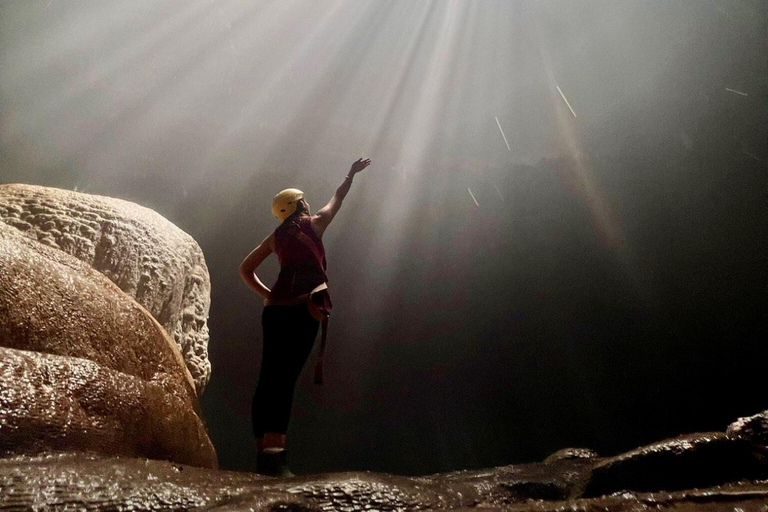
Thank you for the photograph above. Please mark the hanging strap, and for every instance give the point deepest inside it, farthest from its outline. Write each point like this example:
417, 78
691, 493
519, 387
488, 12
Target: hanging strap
301, 299
321, 353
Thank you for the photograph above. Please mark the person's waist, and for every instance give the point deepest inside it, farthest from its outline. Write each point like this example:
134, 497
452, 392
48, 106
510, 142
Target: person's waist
294, 299
309, 268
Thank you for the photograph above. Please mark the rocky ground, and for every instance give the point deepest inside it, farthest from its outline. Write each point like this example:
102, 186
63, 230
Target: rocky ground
701, 472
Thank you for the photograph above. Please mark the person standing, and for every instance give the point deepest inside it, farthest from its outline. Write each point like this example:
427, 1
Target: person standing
294, 309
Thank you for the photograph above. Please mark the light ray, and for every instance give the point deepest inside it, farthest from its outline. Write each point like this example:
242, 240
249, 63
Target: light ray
566, 100
502, 134
422, 123
473, 197
736, 92
498, 192
604, 217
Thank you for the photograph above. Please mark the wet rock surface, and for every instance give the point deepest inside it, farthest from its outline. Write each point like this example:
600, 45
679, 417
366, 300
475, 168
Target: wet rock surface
572, 453
83, 358
148, 257
752, 428
52, 303
90, 482
50, 402
685, 462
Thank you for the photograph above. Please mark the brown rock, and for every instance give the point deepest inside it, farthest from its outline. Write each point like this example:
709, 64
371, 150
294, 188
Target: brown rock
685, 462
87, 482
753, 428
147, 256
52, 303
50, 402
572, 453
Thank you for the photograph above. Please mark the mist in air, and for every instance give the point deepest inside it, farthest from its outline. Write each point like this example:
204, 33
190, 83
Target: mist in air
560, 242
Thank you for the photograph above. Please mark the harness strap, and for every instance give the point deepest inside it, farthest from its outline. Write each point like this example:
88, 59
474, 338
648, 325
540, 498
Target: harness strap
307, 297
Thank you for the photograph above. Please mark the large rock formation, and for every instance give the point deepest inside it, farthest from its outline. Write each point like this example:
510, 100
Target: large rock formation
148, 257
50, 402
52, 303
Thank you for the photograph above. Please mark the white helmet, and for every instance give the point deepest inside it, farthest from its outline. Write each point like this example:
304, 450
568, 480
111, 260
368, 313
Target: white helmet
285, 203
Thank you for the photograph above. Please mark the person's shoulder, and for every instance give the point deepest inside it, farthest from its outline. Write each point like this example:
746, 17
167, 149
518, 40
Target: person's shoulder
269, 241
318, 225
308, 220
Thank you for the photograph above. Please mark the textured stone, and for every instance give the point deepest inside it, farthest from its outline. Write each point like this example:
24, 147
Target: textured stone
685, 462
147, 256
572, 453
510, 484
53, 303
753, 428
50, 402
87, 482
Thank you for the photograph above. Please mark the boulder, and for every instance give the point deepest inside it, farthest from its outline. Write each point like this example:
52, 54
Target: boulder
685, 462
52, 303
753, 428
50, 402
148, 257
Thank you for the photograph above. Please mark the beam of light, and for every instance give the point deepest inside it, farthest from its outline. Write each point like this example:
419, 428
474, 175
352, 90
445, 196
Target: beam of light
394, 100
566, 100
270, 88
502, 134
498, 192
242, 90
443, 22
137, 93
736, 92
392, 92
473, 197
64, 57
603, 215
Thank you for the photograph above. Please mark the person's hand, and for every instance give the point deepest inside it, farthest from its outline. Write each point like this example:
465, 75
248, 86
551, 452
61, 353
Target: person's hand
359, 165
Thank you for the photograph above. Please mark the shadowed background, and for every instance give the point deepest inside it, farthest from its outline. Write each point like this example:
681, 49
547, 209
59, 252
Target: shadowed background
561, 240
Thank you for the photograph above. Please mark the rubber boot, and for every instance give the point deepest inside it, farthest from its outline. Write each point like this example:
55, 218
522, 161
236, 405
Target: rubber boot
273, 462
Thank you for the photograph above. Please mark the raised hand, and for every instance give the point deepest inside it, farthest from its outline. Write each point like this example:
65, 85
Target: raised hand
359, 165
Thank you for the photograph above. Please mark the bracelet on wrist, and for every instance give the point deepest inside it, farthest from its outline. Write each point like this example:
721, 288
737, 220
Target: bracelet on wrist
348, 177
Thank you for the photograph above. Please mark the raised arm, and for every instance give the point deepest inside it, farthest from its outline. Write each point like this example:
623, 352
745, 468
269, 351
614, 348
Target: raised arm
325, 215
252, 261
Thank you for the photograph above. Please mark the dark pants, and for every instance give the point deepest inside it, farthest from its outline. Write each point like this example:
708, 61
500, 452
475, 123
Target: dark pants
289, 333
